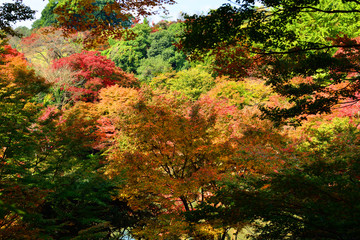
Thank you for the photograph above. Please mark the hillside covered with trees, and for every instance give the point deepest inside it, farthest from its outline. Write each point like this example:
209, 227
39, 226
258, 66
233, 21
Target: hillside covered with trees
242, 123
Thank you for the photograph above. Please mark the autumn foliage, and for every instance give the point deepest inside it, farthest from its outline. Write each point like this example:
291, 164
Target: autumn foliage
253, 134
92, 72
80, 16
171, 150
18, 85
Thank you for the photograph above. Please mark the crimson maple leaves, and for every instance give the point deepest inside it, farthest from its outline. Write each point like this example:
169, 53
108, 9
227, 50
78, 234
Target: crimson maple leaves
90, 72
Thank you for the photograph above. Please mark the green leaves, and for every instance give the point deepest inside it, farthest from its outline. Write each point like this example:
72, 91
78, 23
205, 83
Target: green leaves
192, 82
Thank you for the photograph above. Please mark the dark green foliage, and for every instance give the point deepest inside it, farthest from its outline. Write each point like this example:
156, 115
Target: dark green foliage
162, 45
82, 207
151, 67
13, 12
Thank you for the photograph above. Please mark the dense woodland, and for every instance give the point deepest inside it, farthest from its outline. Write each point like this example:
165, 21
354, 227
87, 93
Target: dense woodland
243, 123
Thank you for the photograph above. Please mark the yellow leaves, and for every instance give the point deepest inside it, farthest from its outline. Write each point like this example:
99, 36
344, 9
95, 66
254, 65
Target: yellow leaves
208, 230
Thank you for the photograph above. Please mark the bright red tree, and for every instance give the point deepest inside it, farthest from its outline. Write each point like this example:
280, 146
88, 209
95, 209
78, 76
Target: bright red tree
92, 72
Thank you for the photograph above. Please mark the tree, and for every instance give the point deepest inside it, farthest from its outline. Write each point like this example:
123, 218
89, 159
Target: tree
162, 44
316, 198
91, 73
128, 53
268, 33
82, 206
191, 82
148, 53
45, 45
48, 18
171, 151
19, 85
13, 12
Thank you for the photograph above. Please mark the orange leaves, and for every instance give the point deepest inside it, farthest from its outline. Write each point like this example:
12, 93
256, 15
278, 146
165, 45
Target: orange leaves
77, 126
83, 15
116, 100
11, 60
168, 148
18, 83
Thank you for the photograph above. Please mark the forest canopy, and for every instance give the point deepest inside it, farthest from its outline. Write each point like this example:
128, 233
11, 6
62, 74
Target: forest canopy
242, 123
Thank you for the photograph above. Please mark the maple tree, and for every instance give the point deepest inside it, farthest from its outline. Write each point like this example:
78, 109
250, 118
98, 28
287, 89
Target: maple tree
170, 150
92, 72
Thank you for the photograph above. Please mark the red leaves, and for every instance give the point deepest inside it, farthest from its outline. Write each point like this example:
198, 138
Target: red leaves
30, 39
235, 61
93, 72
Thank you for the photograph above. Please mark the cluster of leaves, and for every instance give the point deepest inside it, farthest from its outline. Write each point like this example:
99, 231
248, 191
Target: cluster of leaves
91, 72
87, 152
279, 36
191, 82
50, 167
45, 45
151, 52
